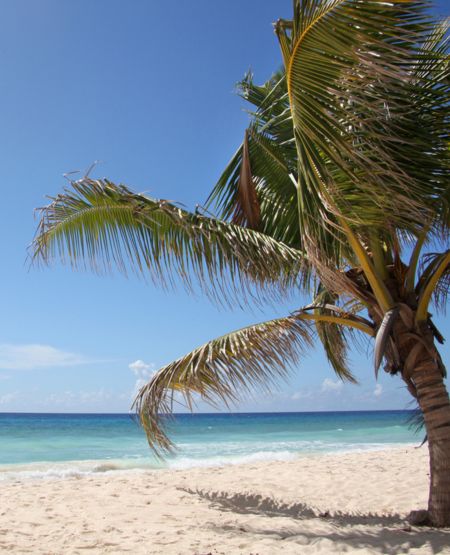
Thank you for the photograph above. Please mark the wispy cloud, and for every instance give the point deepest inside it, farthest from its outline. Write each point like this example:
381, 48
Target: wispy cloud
33, 356
302, 394
330, 385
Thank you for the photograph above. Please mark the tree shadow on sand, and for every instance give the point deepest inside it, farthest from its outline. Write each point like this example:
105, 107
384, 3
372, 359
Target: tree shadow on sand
385, 534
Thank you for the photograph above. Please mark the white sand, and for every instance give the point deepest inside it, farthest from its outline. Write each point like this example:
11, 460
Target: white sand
352, 503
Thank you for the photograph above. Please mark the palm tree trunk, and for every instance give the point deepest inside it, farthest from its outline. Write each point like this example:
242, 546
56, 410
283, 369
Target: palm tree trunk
423, 372
435, 405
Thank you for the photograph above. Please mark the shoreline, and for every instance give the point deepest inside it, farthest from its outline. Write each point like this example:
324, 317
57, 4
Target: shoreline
75, 468
326, 503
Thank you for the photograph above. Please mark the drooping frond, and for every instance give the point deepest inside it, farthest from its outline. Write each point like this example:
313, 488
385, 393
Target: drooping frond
426, 158
225, 369
222, 371
333, 336
365, 157
100, 225
335, 344
442, 290
358, 94
433, 283
350, 69
247, 210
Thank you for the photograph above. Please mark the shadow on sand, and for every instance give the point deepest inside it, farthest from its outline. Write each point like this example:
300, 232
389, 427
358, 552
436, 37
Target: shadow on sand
384, 534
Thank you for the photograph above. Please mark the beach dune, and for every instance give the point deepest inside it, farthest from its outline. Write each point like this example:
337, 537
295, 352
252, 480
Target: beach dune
333, 503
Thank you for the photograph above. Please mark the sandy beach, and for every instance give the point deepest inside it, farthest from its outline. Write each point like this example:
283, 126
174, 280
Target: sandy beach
339, 503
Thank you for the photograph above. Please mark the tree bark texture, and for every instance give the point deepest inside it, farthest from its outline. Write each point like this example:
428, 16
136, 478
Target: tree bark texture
434, 402
423, 372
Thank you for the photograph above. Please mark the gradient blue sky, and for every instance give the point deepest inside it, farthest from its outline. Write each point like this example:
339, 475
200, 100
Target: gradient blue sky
147, 88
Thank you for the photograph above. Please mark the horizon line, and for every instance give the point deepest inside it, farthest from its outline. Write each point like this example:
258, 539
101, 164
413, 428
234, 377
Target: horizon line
228, 413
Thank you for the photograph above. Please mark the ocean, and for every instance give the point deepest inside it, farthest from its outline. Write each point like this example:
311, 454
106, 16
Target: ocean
58, 445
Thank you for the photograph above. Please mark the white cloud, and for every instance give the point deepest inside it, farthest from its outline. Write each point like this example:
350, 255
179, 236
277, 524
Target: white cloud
378, 390
143, 373
32, 356
330, 385
139, 367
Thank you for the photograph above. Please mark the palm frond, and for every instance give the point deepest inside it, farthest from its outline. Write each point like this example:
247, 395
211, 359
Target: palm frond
225, 369
351, 70
99, 225
270, 152
222, 371
333, 336
442, 290
433, 283
351, 96
247, 209
383, 336
335, 344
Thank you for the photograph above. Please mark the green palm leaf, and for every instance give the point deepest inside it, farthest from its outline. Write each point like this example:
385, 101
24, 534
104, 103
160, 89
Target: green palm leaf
100, 225
272, 158
334, 337
352, 71
392, 188
433, 283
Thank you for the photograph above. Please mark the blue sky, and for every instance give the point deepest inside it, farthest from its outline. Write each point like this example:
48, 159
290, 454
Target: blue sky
147, 87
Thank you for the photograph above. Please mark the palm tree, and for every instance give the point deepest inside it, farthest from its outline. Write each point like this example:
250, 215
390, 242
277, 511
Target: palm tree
339, 185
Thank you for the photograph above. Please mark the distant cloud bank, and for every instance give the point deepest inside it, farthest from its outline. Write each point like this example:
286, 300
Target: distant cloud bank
33, 356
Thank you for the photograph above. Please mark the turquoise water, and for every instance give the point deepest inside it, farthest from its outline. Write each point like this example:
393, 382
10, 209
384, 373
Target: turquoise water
47, 445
